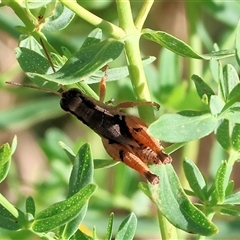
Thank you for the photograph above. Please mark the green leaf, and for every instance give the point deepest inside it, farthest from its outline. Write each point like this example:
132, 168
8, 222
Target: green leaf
237, 43
171, 200
30, 206
82, 171
183, 126
216, 104
31, 61
235, 139
234, 95
230, 210
62, 212
229, 188
94, 37
7, 220
232, 199
223, 134
127, 228
181, 48
81, 175
220, 182
5, 160
104, 163
8, 215
60, 18
79, 235
230, 78
202, 88
83, 63
195, 179
114, 74
110, 227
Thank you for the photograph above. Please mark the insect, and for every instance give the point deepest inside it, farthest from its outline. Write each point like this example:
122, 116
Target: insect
124, 136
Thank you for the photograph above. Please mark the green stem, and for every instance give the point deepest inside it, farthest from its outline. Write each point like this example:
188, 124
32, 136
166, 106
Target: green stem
133, 55
94, 20
28, 22
143, 13
168, 231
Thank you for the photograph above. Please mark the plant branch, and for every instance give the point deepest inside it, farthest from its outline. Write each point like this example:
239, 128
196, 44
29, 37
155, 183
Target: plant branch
142, 15
94, 20
133, 55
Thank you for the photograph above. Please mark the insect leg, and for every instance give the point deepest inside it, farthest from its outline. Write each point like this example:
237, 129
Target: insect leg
135, 104
102, 85
121, 153
151, 150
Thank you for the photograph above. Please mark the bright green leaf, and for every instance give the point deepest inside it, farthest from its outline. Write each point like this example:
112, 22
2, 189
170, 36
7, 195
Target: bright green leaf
60, 18
229, 188
237, 43
202, 88
127, 228
5, 160
236, 137
171, 200
83, 63
110, 227
31, 61
82, 171
223, 134
94, 37
30, 206
232, 199
230, 210
104, 163
62, 212
220, 182
81, 175
216, 104
195, 179
183, 126
230, 78
181, 48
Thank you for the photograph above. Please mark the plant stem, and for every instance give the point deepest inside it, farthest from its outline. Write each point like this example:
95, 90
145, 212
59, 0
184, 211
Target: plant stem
142, 15
30, 27
133, 55
96, 21
168, 231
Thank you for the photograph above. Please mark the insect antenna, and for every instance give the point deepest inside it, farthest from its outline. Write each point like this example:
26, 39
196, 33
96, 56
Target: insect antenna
34, 87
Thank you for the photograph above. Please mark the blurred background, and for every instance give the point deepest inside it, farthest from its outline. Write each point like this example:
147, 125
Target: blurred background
40, 167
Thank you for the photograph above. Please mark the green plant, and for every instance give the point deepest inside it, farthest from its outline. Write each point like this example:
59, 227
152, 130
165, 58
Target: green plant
218, 112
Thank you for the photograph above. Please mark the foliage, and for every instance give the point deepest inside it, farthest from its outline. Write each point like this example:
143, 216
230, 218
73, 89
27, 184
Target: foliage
208, 107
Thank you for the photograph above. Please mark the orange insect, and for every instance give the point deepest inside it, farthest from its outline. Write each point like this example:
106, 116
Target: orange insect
124, 136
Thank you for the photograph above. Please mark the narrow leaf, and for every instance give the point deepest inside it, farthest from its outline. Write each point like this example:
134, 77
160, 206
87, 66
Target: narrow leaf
62, 212
181, 48
220, 182
83, 63
60, 19
5, 160
232, 199
127, 228
30, 206
110, 227
81, 175
183, 126
195, 179
236, 137
171, 200
202, 88
223, 134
